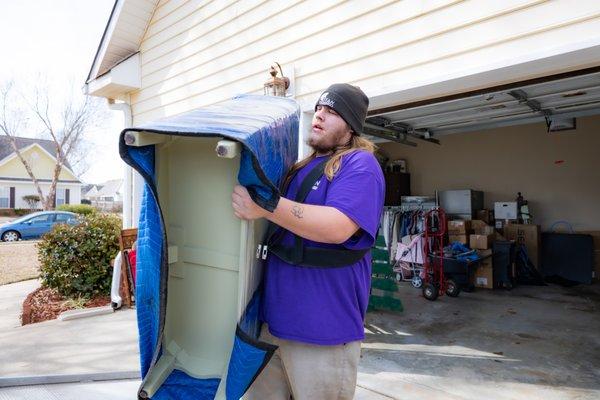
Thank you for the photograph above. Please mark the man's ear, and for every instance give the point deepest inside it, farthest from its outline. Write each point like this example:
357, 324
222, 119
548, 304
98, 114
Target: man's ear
350, 128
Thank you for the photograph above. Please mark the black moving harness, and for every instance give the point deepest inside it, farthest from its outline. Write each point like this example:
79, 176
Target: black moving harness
299, 254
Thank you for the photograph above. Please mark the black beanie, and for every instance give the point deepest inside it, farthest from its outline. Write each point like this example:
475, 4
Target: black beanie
349, 102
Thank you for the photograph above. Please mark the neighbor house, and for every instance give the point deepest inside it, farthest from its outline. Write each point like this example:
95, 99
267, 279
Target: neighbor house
107, 196
89, 190
485, 79
15, 182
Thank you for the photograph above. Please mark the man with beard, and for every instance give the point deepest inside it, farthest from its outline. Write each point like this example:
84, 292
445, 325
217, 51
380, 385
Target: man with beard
318, 270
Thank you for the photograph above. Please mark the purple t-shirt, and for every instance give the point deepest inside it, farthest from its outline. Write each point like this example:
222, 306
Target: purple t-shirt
327, 306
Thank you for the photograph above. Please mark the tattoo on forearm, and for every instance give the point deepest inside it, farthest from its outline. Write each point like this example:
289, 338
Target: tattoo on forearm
297, 211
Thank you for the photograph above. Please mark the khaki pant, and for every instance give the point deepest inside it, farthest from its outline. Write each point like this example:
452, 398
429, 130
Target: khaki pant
306, 372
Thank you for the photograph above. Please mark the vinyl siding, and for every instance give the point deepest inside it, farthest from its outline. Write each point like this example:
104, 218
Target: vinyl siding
41, 164
24, 189
202, 52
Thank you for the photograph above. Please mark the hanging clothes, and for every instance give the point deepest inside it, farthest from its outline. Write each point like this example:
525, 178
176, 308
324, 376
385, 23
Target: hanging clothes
397, 224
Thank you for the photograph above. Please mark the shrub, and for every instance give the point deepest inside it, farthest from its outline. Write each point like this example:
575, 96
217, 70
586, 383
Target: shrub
75, 260
82, 209
19, 212
32, 200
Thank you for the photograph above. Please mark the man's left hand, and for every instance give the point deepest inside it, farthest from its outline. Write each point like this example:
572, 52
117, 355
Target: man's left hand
243, 205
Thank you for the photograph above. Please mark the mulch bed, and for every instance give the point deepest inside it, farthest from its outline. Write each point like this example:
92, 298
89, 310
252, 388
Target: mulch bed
44, 304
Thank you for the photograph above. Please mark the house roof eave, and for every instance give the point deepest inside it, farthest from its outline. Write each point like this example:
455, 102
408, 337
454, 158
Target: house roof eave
108, 54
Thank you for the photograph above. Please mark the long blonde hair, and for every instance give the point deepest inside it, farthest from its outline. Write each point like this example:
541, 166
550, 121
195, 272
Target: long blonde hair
335, 162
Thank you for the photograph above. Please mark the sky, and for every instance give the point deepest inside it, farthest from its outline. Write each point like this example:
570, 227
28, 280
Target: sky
58, 39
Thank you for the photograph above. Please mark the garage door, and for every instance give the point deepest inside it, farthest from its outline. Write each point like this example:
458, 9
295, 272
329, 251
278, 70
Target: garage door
555, 100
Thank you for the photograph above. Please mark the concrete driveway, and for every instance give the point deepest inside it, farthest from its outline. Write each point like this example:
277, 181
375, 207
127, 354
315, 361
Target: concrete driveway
11, 302
535, 343
103, 346
103, 343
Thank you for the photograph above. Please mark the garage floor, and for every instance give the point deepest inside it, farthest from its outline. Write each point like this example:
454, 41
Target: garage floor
531, 342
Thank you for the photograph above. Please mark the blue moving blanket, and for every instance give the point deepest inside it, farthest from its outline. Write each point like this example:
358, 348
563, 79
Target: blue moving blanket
267, 128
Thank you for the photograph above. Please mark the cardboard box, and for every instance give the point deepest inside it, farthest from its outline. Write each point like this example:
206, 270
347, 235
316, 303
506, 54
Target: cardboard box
481, 227
505, 210
477, 225
483, 276
488, 230
464, 239
529, 236
595, 236
457, 227
486, 216
481, 241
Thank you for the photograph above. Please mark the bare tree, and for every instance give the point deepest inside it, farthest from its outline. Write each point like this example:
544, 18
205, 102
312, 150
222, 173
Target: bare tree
63, 123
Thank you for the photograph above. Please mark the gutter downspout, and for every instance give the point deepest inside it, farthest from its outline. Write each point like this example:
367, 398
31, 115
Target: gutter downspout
128, 190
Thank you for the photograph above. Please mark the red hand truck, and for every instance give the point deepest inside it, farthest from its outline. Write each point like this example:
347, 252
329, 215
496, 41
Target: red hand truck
433, 264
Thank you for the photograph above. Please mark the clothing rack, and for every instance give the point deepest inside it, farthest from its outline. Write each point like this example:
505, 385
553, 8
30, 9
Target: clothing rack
412, 210
412, 207
394, 232
421, 203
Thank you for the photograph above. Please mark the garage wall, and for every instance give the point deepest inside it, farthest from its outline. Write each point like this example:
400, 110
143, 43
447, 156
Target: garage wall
200, 52
559, 173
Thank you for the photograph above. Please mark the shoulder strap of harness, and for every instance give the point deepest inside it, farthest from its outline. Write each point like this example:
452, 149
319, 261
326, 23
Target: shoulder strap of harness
307, 184
311, 257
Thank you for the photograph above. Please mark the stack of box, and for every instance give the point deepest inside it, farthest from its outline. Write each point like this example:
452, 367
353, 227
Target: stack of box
481, 242
458, 231
483, 276
483, 235
480, 236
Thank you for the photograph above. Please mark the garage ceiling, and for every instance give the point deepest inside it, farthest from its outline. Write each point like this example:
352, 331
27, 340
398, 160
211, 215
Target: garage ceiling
555, 100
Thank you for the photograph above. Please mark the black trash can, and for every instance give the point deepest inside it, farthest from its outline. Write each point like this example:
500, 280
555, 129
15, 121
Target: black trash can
503, 259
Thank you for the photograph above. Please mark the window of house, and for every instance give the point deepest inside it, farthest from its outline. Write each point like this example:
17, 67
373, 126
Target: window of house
60, 196
4, 196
